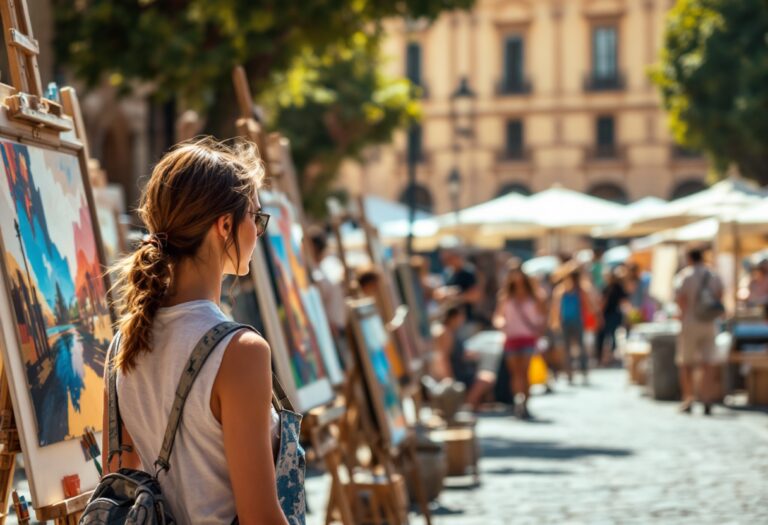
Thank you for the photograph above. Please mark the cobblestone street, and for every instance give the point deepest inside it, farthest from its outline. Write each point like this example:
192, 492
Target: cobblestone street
605, 453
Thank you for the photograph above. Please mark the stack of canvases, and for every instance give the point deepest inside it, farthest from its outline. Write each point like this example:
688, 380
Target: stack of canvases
400, 298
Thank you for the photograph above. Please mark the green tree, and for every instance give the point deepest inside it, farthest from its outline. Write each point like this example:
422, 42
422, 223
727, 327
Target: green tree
187, 48
713, 78
314, 63
332, 106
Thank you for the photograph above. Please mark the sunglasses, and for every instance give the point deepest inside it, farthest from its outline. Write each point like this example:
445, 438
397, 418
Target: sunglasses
261, 220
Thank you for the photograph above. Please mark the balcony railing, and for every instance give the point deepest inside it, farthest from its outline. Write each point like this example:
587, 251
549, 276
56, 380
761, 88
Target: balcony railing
513, 86
606, 153
422, 88
522, 154
423, 157
682, 153
602, 82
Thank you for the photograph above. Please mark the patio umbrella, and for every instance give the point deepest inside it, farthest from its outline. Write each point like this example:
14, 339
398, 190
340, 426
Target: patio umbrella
632, 212
722, 199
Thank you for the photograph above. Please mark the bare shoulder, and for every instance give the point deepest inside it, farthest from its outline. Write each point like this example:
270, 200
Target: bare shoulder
247, 353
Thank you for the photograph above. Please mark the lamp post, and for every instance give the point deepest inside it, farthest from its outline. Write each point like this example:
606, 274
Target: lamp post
454, 190
411, 158
462, 100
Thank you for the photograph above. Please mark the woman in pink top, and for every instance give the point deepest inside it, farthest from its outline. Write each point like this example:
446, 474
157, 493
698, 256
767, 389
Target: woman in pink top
520, 315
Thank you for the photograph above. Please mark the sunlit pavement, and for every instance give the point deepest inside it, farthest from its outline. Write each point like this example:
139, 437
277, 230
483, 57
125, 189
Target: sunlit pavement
605, 453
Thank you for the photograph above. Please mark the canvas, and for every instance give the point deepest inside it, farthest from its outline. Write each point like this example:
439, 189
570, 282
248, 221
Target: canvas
383, 387
319, 319
411, 289
58, 298
108, 201
291, 281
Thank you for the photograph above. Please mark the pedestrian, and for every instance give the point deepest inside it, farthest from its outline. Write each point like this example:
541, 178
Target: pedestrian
329, 278
572, 312
614, 297
202, 210
698, 292
448, 358
461, 284
520, 315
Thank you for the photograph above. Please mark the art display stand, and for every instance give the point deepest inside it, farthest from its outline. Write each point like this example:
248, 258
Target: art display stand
36, 119
377, 490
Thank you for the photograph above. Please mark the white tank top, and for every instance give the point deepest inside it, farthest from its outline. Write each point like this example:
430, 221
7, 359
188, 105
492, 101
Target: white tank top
197, 486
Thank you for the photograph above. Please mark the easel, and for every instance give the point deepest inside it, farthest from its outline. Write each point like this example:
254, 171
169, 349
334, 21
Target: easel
322, 423
34, 118
382, 483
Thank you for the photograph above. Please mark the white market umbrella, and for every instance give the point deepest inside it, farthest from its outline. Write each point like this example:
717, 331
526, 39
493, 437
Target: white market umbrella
563, 210
722, 199
636, 210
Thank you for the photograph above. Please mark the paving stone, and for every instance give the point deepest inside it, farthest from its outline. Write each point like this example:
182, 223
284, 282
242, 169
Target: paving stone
604, 454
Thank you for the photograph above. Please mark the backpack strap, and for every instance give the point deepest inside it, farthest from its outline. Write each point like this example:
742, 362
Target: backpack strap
115, 428
197, 359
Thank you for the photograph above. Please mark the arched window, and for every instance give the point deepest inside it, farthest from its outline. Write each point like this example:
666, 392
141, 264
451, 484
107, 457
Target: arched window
422, 197
609, 192
513, 187
687, 187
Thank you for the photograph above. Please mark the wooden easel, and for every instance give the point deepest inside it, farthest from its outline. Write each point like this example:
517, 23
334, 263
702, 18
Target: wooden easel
323, 424
380, 480
37, 119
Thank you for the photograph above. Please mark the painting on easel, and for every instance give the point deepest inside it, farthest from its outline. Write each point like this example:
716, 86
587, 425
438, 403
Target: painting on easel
371, 339
57, 293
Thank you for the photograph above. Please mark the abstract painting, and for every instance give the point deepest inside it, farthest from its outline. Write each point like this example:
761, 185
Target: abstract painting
54, 279
291, 281
383, 387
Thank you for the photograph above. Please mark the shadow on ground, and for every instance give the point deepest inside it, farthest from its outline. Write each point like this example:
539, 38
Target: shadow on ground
505, 448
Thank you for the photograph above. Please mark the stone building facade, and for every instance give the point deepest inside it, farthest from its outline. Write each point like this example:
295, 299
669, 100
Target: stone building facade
519, 95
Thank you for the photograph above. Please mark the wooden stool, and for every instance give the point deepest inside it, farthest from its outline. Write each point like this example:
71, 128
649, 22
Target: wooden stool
462, 450
378, 500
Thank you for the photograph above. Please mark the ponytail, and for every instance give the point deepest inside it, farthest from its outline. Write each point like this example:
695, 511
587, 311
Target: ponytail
143, 282
190, 188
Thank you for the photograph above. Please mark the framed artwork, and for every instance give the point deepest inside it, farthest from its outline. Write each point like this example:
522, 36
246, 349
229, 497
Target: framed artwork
316, 311
413, 294
54, 313
109, 208
371, 339
302, 365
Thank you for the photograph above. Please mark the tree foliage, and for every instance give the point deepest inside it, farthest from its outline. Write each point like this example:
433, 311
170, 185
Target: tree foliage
713, 78
333, 105
314, 63
187, 48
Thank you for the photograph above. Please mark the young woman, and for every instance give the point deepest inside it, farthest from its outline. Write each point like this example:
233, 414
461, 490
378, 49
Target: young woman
520, 314
573, 311
202, 210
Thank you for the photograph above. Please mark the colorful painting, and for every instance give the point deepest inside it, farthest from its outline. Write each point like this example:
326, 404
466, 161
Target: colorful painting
316, 311
291, 280
57, 293
413, 293
383, 386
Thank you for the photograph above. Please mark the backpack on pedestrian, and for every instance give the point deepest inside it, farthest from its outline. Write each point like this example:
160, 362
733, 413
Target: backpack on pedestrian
707, 307
131, 496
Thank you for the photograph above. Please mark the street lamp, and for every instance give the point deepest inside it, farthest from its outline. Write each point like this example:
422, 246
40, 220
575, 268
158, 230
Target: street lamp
454, 190
462, 100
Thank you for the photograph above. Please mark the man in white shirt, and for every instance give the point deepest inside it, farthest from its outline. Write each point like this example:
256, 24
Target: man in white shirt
696, 342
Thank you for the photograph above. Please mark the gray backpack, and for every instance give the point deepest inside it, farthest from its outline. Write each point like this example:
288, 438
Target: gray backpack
707, 307
132, 496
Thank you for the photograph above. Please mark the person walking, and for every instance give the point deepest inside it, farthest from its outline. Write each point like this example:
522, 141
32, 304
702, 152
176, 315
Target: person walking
698, 292
614, 297
520, 315
202, 210
573, 311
